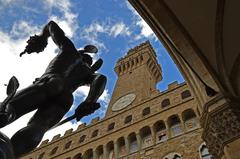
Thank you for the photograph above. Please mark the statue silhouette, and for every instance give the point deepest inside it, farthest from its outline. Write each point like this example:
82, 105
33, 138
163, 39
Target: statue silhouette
51, 94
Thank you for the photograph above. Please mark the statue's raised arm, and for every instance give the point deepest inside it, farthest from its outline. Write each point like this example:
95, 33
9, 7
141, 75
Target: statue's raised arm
37, 43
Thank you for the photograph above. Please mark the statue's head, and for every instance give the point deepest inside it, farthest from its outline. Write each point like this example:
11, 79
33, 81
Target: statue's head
89, 49
88, 59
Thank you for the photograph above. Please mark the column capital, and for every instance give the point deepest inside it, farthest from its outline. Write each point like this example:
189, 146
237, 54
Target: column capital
221, 124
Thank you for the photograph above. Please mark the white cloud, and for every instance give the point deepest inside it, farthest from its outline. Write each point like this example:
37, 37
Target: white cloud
11, 129
69, 18
91, 33
119, 29
22, 29
146, 31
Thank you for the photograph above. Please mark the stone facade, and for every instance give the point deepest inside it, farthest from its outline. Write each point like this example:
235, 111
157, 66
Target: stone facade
151, 125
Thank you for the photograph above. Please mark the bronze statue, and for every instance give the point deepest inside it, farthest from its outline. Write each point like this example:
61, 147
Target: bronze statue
51, 94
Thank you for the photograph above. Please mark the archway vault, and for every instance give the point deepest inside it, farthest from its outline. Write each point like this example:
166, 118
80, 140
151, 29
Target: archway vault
202, 38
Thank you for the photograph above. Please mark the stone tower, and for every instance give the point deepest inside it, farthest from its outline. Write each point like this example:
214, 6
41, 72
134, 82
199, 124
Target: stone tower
141, 122
138, 73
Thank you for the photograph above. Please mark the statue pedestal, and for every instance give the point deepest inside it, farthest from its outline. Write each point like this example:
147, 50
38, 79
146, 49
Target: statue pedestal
6, 151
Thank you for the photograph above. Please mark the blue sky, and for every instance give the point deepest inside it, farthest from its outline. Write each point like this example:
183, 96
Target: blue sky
112, 25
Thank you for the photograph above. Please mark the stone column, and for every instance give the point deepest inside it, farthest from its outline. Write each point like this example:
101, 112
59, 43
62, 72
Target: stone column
127, 145
94, 154
153, 134
139, 140
182, 123
221, 127
168, 131
116, 150
105, 153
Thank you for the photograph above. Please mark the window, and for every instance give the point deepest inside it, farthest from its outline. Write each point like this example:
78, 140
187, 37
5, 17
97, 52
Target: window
41, 155
161, 132
185, 94
146, 111
95, 133
204, 152
165, 103
54, 151
121, 146
111, 126
133, 146
78, 156
173, 156
176, 157
68, 144
88, 154
128, 119
175, 125
82, 138
146, 136
190, 120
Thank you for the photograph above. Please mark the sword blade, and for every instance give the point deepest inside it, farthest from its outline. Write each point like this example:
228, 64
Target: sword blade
64, 121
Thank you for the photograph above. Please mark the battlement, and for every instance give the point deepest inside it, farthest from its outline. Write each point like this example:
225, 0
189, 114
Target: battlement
137, 56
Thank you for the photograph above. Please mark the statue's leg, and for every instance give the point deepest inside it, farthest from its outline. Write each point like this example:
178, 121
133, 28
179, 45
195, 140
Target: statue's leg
98, 83
49, 114
29, 99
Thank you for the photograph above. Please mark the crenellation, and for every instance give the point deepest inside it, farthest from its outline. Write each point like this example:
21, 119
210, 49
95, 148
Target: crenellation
172, 85
82, 126
44, 142
69, 131
56, 137
95, 120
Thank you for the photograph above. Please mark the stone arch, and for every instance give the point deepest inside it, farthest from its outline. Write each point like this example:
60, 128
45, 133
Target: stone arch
99, 151
165, 103
78, 156
110, 150
146, 136
174, 123
122, 149
133, 145
161, 132
203, 151
173, 155
88, 154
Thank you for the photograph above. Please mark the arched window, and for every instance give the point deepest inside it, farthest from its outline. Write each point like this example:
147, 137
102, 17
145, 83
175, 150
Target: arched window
172, 155
128, 119
82, 138
204, 152
146, 111
99, 151
54, 151
95, 133
88, 154
146, 137
111, 126
78, 156
161, 132
190, 119
41, 155
110, 150
121, 147
185, 94
68, 144
133, 146
165, 103
175, 125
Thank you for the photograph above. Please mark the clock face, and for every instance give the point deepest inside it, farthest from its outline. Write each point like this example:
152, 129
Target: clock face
123, 102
